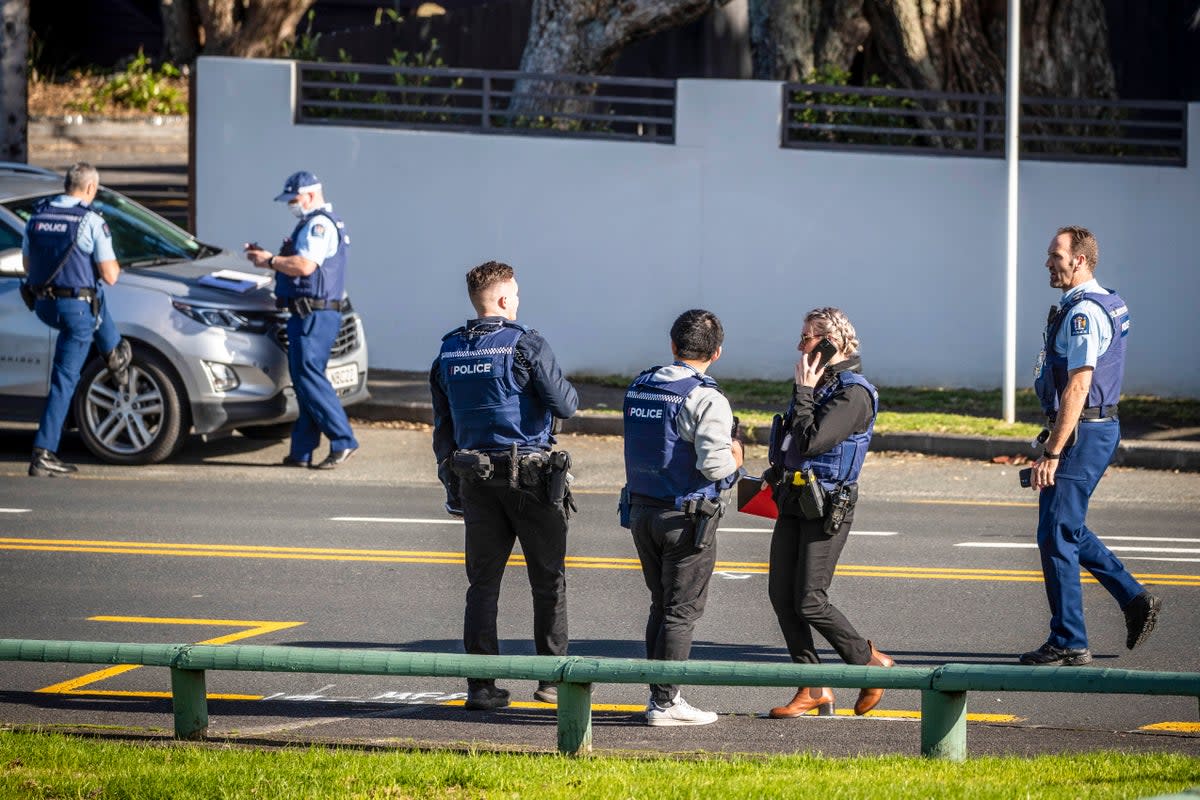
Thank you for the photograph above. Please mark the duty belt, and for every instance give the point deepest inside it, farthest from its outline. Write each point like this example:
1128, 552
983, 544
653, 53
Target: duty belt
61, 292
313, 303
652, 502
1094, 414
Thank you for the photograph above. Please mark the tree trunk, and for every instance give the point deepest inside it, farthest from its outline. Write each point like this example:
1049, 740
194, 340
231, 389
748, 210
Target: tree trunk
181, 35
584, 37
791, 39
14, 97
960, 46
256, 29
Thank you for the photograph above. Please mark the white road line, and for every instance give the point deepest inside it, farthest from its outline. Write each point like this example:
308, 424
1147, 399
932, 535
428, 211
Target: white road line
1123, 548
14, 510
768, 530
1148, 539
398, 520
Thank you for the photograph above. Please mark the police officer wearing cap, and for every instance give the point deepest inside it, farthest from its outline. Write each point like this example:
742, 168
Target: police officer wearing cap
497, 390
310, 282
1078, 381
68, 252
681, 458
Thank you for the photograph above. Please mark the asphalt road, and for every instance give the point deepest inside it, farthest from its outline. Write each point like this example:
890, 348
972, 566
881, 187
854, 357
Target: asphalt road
222, 544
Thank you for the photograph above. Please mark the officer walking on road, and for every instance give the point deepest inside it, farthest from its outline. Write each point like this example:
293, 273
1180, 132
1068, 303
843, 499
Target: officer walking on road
68, 251
1078, 380
310, 282
680, 457
497, 390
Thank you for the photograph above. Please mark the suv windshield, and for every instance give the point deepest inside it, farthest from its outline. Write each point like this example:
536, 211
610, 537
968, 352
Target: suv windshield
140, 238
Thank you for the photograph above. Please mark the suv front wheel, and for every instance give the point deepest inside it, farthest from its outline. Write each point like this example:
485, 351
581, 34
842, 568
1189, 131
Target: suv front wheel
141, 424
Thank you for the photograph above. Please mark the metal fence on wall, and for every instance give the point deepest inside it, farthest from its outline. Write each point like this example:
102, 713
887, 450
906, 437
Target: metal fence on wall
487, 101
939, 123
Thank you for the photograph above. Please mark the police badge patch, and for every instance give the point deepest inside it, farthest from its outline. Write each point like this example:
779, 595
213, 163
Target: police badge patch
1038, 363
318, 230
1079, 325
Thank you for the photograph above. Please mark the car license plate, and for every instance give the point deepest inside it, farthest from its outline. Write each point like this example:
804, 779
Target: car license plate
343, 377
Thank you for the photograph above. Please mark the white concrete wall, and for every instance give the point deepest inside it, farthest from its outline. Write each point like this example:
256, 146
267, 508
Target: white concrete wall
611, 240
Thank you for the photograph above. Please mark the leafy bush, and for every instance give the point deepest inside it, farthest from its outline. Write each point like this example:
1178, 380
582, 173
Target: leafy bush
848, 113
140, 87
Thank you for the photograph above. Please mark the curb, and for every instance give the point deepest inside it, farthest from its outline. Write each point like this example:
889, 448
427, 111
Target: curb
73, 129
1183, 456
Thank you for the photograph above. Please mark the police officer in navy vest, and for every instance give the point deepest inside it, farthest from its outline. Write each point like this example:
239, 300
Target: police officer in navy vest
1078, 381
497, 391
68, 253
681, 458
310, 281
817, 449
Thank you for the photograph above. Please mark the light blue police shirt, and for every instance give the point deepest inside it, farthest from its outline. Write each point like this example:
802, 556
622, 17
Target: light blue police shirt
318, 239
1086, 332
93, 238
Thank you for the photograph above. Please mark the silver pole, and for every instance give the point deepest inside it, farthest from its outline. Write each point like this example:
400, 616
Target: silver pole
1012, 139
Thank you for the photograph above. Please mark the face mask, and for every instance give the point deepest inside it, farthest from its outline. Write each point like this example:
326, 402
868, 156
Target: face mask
296, 209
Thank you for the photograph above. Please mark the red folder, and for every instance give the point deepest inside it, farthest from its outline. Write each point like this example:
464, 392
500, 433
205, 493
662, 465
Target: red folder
754, 497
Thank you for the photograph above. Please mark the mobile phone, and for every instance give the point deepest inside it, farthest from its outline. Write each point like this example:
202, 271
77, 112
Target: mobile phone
1026, 477
825, 351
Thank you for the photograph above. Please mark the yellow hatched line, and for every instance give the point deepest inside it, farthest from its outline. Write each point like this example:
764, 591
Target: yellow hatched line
1178, 727
575, 562
256, 628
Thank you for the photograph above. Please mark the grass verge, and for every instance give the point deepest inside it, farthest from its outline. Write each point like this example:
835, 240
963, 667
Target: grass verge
43, 765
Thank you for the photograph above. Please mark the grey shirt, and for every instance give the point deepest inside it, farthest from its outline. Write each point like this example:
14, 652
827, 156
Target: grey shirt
706, 420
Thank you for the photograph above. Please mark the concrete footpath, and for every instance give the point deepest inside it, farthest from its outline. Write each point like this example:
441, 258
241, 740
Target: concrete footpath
404, 396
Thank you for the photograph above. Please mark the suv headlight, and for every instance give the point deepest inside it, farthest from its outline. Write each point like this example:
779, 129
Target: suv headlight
220, 317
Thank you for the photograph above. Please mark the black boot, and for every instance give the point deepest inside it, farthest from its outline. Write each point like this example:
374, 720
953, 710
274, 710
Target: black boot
118, 362
47, 465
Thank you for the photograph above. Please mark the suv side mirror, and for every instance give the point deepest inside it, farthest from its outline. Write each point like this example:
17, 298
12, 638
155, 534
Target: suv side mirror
11, 262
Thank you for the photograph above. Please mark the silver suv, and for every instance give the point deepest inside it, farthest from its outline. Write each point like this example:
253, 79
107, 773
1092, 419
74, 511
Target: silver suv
206, 359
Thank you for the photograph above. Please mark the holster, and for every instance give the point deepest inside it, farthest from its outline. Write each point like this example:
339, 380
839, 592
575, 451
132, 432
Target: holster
301, 306
471, 465
705, 515
28, 295
624, 508
802, 489
841, 501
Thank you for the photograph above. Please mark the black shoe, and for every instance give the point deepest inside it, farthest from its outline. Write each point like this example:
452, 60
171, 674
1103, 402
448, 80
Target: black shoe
1140, 616
336, 457
547, 692
1050, 656
118, 362
486, 697
47, 465
289, 461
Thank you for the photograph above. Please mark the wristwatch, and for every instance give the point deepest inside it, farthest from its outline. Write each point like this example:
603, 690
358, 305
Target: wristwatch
271, 262
1046, 454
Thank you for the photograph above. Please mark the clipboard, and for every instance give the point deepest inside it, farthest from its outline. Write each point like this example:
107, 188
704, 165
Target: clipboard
754, 497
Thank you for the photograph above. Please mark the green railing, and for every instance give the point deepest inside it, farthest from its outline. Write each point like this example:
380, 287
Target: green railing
943, 689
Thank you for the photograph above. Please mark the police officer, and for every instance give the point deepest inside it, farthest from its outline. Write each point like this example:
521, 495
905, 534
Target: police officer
680, 458
1078, 381
816, 452
496, 391
310, 282
68, 251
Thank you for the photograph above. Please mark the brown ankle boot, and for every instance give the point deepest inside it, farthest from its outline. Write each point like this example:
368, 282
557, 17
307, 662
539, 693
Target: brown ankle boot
806, 699
869, 698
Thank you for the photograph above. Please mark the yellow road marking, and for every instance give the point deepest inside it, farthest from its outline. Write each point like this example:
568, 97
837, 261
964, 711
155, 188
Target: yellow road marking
1001, 503
255, 628
575, 562
1178, 727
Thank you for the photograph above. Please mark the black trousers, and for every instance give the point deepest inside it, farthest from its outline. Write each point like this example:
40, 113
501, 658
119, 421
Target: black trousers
496, 516
803, 558
677, 575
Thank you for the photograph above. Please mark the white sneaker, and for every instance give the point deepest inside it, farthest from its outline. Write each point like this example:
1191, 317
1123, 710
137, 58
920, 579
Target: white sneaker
678, 712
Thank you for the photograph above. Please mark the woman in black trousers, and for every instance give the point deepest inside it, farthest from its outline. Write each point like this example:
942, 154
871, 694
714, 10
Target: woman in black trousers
817, 452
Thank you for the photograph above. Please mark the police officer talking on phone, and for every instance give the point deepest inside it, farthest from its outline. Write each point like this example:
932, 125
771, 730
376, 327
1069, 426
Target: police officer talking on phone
817, 449
310, 281
681, 458
1078, 381
497, 390
68, 254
